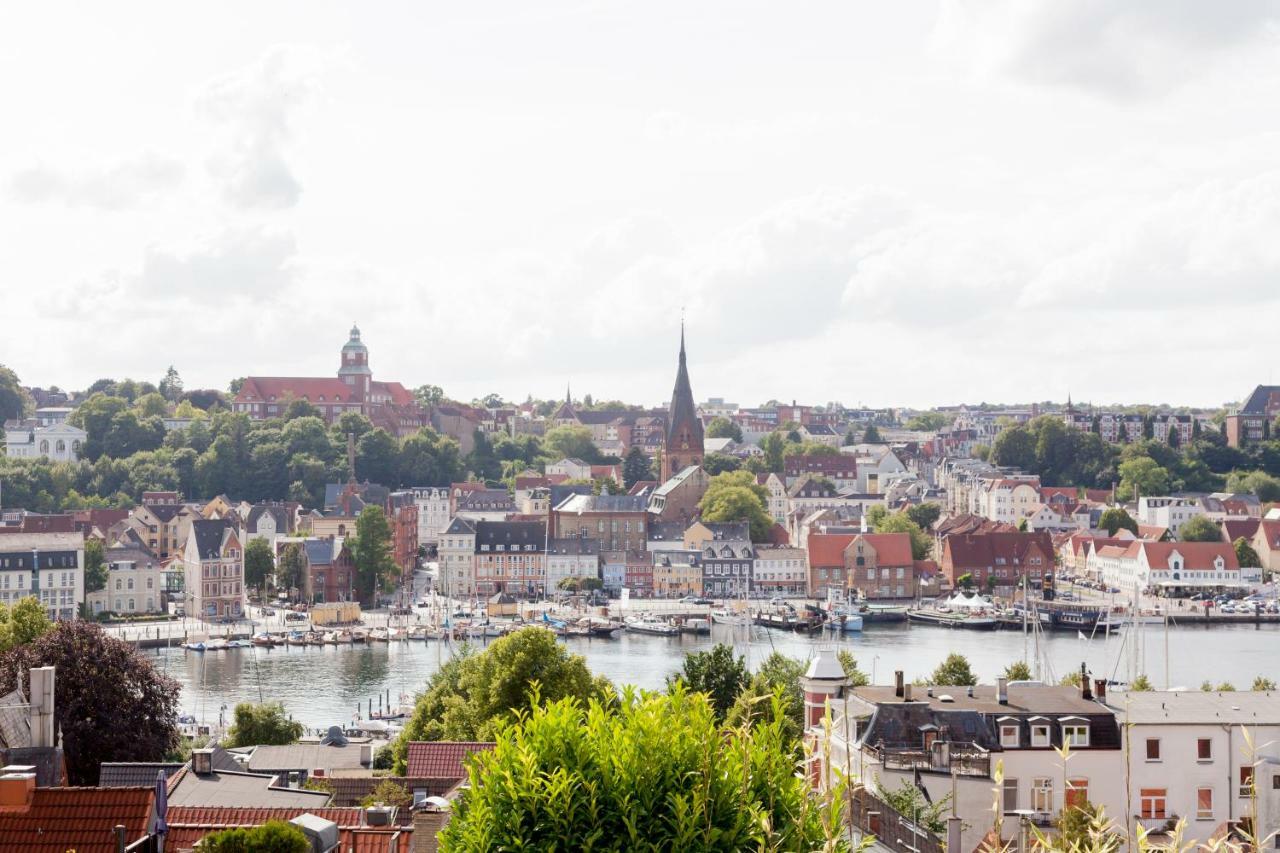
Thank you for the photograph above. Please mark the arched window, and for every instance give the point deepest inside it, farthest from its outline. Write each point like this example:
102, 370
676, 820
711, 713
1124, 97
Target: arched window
44, 446
61, 446
75, 447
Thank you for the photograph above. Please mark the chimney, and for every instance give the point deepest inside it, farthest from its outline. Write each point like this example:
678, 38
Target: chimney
378, 815
202, 761
366, 754
897, 682
1085, 693
906, 693
1100, 689
1002, 690
17, 782
42, 725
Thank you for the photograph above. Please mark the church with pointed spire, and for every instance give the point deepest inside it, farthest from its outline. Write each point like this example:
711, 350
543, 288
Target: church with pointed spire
682, 446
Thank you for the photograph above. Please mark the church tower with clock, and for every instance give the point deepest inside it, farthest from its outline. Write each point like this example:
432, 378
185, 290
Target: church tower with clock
683, 444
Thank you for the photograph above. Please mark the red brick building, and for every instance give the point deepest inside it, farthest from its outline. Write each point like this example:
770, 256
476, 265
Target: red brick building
389, 405
839, 468
877, 566
998, 560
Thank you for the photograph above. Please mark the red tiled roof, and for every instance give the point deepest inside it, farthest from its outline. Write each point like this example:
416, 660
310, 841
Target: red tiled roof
1197, 556
312, 388
827, 549
1152, 531
1270, 534
442, 759
984, 550
1234, 528
892, 549
188, 824
61, 819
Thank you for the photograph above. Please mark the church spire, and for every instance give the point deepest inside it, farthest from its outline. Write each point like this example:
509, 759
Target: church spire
683, 445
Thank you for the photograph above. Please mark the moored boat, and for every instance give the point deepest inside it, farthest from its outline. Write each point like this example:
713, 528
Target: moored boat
650, 624
953, 619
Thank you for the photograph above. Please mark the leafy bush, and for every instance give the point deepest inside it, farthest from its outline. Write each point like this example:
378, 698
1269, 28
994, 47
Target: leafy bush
655, 773
274, 836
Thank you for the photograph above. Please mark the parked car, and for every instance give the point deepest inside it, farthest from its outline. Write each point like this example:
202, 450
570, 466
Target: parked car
268, 611
295, 616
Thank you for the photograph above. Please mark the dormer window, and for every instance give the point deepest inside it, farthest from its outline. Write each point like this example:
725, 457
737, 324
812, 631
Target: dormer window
1010, 734
1075, 731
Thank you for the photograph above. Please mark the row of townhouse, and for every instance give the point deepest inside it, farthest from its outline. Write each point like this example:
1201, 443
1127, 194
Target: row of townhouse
1169, 568
1035, 750
1117, 428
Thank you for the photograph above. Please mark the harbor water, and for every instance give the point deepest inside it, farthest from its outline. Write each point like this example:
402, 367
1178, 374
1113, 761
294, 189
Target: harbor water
323, 685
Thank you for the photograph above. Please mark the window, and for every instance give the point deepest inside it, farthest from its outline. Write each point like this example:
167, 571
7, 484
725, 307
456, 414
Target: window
1010, 795
1075, 735
1077, 794
1152, 803
1009, 734
1204, 804
1153, 749
1246, 781
1204, 749
1042, 795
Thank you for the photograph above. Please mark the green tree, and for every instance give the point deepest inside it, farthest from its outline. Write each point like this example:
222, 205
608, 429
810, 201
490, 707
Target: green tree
1143, 474
724, 428
274, 836
293, 565
113, 704
1225, 687
151, 406
928, 422
1022, 525
371, 553
388, 792
1246, 556
95, 565
735, 496
1018, 671
1015, 447
267, 724
657, 773
907, 799
377, 458
716, 673
300, 409
259, 564
925, 514
871, 435
774, 446
954, 670
475, 694
900, 522
1141, 684
857, 678
15, 402
1200, 529
1116, 518
570, 441
1262, 683
636, 467
430, 459
23, 622
1260, 483
171, 385
720, 463
965, 581
429, 395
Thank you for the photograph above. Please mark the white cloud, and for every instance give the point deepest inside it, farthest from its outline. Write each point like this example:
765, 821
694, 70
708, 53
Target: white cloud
1119, 49
109, 187
255, 108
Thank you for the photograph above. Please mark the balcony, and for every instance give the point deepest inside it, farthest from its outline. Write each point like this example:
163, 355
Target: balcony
962, 758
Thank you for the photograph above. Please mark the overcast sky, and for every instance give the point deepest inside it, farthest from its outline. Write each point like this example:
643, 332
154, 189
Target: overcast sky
878, 203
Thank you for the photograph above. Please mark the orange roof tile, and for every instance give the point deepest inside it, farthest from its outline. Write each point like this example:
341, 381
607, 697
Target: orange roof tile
61, 819
441, 759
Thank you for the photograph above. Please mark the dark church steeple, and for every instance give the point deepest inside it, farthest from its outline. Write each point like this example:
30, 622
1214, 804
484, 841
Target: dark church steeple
683, 444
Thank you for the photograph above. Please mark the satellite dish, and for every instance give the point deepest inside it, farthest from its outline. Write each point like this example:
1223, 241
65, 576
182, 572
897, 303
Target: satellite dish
439, 802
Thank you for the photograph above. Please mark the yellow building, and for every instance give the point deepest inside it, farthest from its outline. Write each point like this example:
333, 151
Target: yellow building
676, 573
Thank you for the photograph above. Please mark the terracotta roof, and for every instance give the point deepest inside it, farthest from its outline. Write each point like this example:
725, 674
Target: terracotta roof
312, 388
1271, 533
61, 819
1196, 555
1152, 531
827, 549
1234, 528
188, 824
984, 550
892, 549
442, 759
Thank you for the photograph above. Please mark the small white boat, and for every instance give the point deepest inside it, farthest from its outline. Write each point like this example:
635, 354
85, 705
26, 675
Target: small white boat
650, 624
343, 638
359, 635
395, 635
217, 645
725, 617
378, 635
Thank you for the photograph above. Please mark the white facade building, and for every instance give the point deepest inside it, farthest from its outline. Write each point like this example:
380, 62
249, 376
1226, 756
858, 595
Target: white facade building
1174, 567
458, 558
782, 570
49, 566
59, 442
1196, 755
572, 557
1168, 512
433, 513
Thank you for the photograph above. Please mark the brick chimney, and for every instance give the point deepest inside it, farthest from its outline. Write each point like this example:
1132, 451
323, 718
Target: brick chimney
17, 783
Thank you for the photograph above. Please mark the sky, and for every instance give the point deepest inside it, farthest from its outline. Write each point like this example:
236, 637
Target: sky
873, 203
